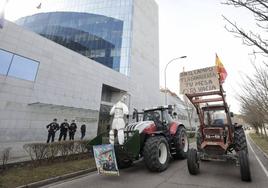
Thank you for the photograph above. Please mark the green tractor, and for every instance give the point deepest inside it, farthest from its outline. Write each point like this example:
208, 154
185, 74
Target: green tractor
155, 136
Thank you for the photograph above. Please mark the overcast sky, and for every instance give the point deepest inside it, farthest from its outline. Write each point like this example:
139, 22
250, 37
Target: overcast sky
195, 28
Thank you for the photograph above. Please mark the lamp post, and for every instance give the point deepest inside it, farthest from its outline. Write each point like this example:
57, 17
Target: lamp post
182, 57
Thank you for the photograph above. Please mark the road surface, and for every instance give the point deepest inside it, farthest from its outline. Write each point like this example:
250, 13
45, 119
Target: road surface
212, 175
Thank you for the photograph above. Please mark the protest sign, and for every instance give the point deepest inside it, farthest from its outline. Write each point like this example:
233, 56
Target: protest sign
105, 159
199, 80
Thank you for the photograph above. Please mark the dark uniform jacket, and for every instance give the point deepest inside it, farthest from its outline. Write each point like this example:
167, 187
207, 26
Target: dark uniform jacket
64, 127
72, 127
53, 127
83, 128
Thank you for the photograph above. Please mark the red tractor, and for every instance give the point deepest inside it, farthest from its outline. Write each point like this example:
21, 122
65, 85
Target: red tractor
218, 139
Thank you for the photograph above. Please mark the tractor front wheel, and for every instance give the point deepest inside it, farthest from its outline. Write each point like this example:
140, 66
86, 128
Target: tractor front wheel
244, 166
156, 153
240, 140
192, 162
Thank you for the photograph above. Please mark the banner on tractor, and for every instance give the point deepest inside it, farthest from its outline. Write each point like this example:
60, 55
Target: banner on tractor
105, 159
199, 80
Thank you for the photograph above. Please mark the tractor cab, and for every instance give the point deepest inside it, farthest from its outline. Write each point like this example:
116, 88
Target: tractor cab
161, 116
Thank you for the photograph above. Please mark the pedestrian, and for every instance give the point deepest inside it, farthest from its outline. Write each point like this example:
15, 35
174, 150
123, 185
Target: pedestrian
52, 129
72, 130
83, 131
63, 130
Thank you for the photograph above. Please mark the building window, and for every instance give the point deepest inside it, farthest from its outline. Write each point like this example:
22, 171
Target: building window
23, 68
5, 60
17, 66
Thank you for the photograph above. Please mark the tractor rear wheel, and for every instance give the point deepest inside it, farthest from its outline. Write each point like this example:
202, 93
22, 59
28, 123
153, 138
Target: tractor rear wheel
192, 162
182, 144
156, 153
240, 140
244, 166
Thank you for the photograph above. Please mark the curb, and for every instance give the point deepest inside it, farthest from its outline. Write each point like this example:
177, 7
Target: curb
258, 147
57, 179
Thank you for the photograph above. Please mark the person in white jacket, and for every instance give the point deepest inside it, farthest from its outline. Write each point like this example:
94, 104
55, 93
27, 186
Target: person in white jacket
119, 110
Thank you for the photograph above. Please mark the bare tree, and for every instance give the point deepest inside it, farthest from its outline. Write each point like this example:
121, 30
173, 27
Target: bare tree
254, 99
259, 8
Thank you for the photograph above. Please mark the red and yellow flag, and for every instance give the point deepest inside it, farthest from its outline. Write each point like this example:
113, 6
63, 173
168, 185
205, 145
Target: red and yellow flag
221, 70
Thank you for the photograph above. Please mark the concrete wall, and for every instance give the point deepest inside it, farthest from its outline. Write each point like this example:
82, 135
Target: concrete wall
145, 55
65, 80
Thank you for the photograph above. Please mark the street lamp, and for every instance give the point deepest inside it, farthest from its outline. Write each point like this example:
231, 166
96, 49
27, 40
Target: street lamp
182, 57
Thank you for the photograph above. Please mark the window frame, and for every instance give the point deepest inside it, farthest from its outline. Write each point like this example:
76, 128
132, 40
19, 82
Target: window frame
10, 64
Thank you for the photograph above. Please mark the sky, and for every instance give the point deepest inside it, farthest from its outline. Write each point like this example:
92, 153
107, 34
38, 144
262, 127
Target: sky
196, 29
192, 28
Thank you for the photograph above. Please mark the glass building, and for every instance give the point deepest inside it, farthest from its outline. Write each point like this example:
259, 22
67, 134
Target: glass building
98, 29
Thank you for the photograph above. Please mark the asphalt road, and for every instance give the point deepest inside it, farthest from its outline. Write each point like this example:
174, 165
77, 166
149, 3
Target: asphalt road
212, 175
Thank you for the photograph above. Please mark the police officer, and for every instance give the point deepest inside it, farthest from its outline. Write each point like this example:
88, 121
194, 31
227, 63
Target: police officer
52, 129
83, 131
72, 130
63, 130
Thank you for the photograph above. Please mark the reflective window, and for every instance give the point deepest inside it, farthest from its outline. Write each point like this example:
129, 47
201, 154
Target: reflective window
5, 60
97, 29
23, 68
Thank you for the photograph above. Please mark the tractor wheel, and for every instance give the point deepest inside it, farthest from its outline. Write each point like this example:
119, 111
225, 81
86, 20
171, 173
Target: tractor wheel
192, 162
244, 166
124, 163
198, 140
156, 153
182, 144
240, 140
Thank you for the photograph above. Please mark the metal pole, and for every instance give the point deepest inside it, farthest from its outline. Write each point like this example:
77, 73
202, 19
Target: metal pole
165, 75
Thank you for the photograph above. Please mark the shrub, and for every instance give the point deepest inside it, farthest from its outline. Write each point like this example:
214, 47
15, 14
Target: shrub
52, 150
65, 149
191, 134
37, 151
5, 155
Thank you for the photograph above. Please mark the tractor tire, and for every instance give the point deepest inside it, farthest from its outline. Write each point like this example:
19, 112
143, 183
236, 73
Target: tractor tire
198, 140
181, 143
240, 141
244, 166
125, 163
156, 153
192, 162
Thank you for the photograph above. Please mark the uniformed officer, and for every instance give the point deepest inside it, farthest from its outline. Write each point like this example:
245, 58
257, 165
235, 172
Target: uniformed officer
64, 129
83, 131
72, 130
52, 129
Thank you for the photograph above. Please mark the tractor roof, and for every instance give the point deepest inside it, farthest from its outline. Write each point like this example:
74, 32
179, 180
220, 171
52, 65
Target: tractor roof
158, 108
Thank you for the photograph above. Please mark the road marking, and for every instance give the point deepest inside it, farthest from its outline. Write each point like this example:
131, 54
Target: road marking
262, 166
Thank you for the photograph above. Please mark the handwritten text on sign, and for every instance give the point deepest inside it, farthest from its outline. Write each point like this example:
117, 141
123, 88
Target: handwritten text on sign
200, 80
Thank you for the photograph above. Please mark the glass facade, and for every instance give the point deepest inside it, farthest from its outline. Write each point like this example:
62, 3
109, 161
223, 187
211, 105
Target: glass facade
98, 29
17, 66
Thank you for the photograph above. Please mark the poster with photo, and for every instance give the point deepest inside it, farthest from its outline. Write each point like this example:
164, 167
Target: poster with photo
105, 159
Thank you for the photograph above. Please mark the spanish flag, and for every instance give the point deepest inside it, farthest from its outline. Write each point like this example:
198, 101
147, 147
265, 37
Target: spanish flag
221, 70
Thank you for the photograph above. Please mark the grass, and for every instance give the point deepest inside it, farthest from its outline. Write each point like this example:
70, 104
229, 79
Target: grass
16, 176
261, 141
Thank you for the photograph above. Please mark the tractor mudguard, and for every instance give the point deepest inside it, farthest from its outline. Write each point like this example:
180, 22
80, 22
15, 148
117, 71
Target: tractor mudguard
174, 126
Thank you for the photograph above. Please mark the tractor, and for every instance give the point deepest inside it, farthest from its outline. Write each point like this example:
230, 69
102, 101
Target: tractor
217, 138
154, 136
